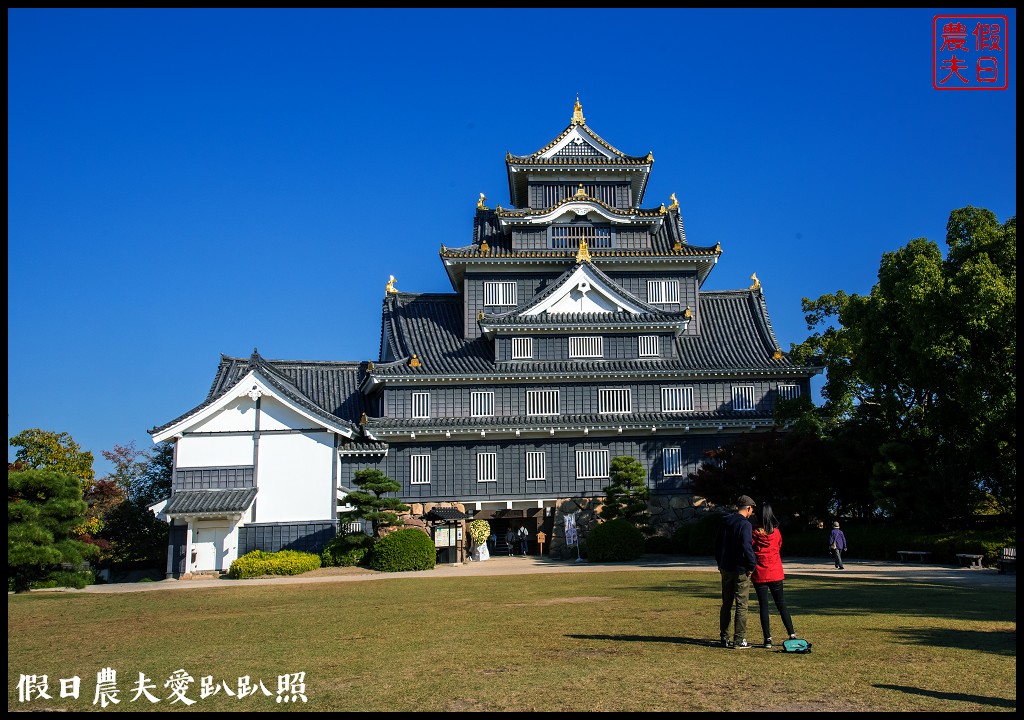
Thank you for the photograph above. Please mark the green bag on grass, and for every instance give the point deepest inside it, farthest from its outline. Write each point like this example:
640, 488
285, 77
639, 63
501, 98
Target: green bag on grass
796, 645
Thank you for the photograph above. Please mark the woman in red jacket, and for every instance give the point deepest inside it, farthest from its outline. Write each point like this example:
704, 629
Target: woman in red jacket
768, 575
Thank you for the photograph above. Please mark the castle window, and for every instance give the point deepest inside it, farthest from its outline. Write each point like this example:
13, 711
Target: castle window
648, 346
419, 470
614, 401
499, 293
482, 404
421, 405
676, 399
586, 347
591, 464
672, 461
487, 467
789, 392
662, 291
541, 402
568, 237
522, 348
743, 397
535, 466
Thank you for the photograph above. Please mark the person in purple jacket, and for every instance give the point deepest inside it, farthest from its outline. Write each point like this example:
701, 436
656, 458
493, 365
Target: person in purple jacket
736, 561
837, 545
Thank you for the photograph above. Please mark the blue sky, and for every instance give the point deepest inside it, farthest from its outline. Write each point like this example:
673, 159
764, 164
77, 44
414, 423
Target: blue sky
186, 183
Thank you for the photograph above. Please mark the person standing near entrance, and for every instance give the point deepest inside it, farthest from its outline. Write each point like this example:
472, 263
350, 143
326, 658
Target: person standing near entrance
734, 554
524, 539
510, 541
837, 545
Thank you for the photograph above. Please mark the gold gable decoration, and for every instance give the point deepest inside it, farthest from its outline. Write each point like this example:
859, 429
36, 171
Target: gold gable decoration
777, 355
577, 113
583, 255
581, 193
415, 362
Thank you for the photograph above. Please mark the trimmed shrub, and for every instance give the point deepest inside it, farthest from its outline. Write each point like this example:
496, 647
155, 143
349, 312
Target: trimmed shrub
283, 562
347, 550
659, 544
615, 540
404, 550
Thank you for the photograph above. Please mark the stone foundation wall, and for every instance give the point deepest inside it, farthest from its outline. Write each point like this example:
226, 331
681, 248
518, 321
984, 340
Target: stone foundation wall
668, 512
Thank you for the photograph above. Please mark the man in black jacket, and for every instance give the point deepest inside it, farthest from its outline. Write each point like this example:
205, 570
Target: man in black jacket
735, 556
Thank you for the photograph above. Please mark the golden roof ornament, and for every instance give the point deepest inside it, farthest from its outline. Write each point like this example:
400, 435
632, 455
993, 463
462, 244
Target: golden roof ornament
650, 157
484, 247
362, 420
757, 283
675, 203
583, 255
415, 362
581, 193
577, 113
777, 355
390, 287
686, 313
718, 247
480, 203
662, 210
370, 367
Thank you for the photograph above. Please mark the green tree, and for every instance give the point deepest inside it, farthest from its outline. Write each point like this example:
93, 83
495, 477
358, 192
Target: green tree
369, 501
43, 508
922, 372
627, 497
144, 477
46, 450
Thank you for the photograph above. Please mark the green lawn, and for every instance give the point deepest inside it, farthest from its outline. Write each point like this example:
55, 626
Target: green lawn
615, 641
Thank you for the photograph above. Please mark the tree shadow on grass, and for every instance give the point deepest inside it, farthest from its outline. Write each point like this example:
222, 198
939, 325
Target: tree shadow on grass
999, 642
959, 697
674, 639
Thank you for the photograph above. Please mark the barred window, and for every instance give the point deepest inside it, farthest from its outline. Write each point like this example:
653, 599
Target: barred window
522, 348
616, 400
482, 403
591, 464
420, 405
649, 346
743, 397
586, 347
486, 467
789, 392
542, 402
420, 470
672, 461
676, 399
535, 466
499, 293
663, 291
568, 237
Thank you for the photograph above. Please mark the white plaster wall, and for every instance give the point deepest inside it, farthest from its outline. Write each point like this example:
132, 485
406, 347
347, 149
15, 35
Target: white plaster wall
239, 414
214, 451
276, 416
294, 478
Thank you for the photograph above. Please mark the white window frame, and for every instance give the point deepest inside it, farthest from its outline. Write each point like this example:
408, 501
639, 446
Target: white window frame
481, 403
499, 293
487, 467
614, 401
419, 470
789, 392
536, 466
647, 346
663, 292
592, 464
522, 348
543, 402
672, 462
586, 346
743, 399
421, 404
677, 399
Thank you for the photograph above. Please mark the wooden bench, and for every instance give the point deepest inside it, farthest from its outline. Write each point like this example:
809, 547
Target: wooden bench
970, 561
908, 555
1008, 560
